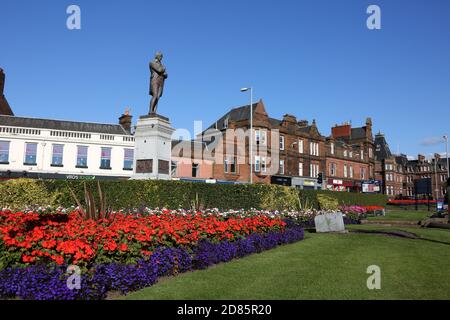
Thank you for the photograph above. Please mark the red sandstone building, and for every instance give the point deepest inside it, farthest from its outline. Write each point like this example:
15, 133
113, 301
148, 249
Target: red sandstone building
286, 151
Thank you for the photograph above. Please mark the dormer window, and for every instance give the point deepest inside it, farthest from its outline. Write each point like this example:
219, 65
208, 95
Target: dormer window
225, 123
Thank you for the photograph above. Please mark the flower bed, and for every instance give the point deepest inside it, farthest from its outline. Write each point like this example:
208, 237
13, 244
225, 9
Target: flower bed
126, 252
68, 238
410, 202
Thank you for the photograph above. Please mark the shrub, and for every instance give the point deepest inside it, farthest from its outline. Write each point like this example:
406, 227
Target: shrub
125, 194
15, 194
327, 202
343, 198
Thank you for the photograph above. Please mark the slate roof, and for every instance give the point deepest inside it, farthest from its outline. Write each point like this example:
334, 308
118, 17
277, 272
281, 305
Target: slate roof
62, 125
382, 150
236, 114
274, 122
358, 133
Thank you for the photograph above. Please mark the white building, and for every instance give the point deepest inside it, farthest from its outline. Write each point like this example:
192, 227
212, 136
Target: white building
56, 149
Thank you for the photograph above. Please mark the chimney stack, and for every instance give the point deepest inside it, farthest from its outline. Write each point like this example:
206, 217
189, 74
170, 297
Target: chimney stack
125, 121
2, 82
342, 131
5, 109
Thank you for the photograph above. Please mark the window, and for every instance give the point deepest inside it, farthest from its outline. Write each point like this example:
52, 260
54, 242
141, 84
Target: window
263, 164
230, 165
281, 166
105, 162
314, 149
4, 152
57, 155
260, 137
263, 137
257, 163
300, 146
30, 153
363, 173
128, 159
300, 169
281, 142
345, 171
195, 169
82, 153
351, 171
350, 154
173, 168
332, 148
225, 123
332, 169
370, 152
362, 154
314, 170
345, 153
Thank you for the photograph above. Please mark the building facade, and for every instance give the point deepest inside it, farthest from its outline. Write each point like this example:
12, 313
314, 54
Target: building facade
43, 148
399, 174
350, 159
289, 151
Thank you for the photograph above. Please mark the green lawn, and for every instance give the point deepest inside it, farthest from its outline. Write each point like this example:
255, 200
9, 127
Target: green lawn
403, 215
323, 266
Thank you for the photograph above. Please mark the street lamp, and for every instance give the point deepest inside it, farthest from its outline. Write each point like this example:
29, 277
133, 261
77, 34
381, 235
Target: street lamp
436, 177
446, 155
251, 131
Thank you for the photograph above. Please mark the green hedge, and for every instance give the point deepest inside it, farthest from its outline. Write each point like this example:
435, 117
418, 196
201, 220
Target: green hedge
122, 194
344, 198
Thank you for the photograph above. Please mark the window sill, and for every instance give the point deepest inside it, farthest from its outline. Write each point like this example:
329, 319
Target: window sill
4, 162
29, 164
128, 169
81, 167
57, 165
106, 168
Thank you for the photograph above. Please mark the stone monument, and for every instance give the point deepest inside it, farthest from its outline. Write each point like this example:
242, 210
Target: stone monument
153, 135
330, 222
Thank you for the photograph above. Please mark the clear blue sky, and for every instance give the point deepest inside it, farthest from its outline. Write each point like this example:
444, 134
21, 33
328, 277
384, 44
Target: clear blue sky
315, 59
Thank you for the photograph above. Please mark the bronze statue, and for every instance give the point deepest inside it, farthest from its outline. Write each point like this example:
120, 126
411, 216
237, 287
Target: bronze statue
158, 75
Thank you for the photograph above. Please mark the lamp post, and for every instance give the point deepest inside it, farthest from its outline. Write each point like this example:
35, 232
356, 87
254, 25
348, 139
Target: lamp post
446, 155
251, 131
436, 178
448, 176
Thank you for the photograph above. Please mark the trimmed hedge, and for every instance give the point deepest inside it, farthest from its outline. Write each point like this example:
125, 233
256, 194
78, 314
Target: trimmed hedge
344, 198
123, 194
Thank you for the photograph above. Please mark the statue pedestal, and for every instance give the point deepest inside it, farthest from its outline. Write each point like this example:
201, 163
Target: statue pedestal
153, 148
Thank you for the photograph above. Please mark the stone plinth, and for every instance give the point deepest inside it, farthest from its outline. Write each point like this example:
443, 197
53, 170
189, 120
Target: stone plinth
330, 222
153, 148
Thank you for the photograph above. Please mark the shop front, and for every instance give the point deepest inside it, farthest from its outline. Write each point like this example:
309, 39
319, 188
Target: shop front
281, 180
306, 184
342, 185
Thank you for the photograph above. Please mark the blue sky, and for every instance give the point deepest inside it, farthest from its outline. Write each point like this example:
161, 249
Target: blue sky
314, 59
